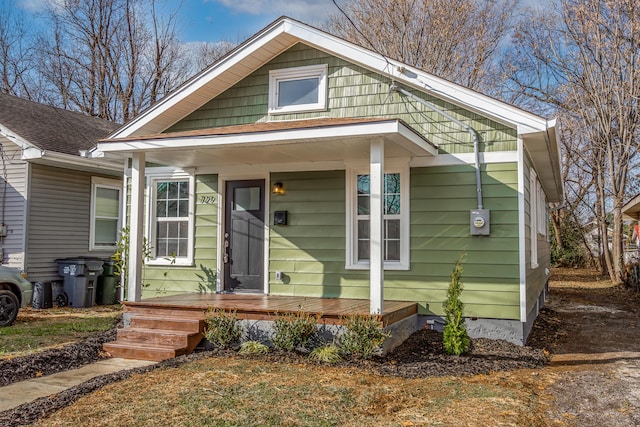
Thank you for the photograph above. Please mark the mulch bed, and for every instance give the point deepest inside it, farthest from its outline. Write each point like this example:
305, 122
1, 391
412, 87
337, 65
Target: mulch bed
422, 355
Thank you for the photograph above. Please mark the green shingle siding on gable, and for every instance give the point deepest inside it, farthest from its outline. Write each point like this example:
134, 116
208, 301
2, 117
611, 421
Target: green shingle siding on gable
353, 91
310, 251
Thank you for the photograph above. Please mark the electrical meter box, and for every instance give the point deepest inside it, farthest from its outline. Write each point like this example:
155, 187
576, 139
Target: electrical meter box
480, 222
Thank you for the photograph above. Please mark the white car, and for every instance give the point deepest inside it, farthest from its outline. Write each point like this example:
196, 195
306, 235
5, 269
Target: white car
15, 292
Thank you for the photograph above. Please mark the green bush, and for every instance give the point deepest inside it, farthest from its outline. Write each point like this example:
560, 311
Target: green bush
293, 331
223, 329
362, 336
572, 253
455, 338
329, 353
253, 347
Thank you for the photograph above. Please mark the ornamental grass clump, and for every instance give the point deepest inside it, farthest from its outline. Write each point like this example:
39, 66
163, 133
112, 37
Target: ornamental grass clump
455, 338
328, 353
223, 329
294, 331
253, 347
362, 337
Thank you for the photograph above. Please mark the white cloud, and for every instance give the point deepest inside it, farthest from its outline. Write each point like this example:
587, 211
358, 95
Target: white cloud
37, 5
304, 10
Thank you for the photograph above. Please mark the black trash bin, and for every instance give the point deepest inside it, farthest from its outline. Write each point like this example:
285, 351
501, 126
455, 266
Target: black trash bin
107, 284
58, 297
80, 280
41, 295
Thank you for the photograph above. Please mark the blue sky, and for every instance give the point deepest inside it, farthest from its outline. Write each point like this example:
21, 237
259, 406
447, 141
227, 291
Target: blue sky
228, 20
235, 20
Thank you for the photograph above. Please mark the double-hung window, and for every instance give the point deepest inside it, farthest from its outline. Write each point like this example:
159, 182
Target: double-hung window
298, 89
534, 217
171, 220
395, 220
105, 213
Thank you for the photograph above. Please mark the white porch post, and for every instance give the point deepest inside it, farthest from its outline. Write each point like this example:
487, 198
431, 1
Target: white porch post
376, 233
134, 274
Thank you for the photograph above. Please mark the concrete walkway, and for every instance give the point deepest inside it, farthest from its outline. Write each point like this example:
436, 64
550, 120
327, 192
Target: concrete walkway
29, 390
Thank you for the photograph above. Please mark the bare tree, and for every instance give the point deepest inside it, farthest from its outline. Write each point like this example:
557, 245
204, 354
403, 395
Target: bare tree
109, 58
457, 40
582, 56
15, 52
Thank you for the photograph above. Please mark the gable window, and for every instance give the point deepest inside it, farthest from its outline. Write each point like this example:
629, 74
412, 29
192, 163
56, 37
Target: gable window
171, 220
105, 213
298, 89
395, 220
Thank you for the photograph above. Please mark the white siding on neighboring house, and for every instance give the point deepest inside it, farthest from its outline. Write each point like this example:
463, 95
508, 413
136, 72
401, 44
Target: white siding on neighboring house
59, 215
13, 194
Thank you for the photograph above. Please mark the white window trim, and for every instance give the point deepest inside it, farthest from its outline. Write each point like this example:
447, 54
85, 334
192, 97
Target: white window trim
542, 211
113, 184
166, 174
297, 73
533, 217
400, 166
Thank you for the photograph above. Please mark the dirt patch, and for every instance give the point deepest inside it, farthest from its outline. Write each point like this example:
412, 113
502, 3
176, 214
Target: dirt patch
596, 355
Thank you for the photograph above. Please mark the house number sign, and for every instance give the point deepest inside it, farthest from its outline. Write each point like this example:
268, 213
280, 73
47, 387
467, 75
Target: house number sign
207, 200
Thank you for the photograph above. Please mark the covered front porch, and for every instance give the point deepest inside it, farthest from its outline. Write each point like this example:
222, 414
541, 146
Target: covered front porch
251, 155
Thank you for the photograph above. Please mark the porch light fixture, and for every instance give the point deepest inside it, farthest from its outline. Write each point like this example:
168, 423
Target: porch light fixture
278, 188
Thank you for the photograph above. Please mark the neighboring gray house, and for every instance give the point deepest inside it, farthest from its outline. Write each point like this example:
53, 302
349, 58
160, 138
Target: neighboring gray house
55, 203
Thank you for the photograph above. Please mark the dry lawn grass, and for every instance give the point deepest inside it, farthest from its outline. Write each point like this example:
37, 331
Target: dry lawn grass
578, 278
37, 330
247, 392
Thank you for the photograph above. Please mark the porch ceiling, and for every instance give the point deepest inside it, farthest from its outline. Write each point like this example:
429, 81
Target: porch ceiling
317, 140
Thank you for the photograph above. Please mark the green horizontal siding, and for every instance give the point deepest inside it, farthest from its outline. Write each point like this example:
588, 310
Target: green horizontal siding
310, 251
352, 92
536, 277
173, 279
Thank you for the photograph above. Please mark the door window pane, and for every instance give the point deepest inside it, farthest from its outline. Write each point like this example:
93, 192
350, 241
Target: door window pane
246, 199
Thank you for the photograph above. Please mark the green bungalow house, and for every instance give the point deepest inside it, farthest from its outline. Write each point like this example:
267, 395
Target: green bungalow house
302, 165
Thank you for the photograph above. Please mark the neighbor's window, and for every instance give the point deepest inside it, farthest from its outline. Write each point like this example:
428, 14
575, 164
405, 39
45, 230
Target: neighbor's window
395, 221
105, 213
172, 221
298, 89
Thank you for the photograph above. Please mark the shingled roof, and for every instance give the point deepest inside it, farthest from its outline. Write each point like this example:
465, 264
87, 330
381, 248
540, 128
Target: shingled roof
50, 128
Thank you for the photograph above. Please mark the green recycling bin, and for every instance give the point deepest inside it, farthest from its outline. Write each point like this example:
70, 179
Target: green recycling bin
107, 292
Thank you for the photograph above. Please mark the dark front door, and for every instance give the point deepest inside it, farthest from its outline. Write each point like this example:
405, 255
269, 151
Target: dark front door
244, 236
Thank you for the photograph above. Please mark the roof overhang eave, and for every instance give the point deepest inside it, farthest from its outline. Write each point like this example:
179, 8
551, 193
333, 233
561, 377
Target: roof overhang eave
544, 151
391, 130
631, 210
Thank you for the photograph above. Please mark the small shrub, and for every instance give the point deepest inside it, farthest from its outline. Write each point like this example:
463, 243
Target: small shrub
223, 329
294, 330
455, 338
362, 337
253, 347
329, 353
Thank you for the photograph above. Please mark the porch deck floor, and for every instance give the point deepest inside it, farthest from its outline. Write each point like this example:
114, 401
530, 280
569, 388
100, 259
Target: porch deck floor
264, 307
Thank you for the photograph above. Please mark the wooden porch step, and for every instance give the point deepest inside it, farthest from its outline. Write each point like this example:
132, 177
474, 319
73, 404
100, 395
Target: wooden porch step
159, 337
127, 350
164, 323
158, 334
